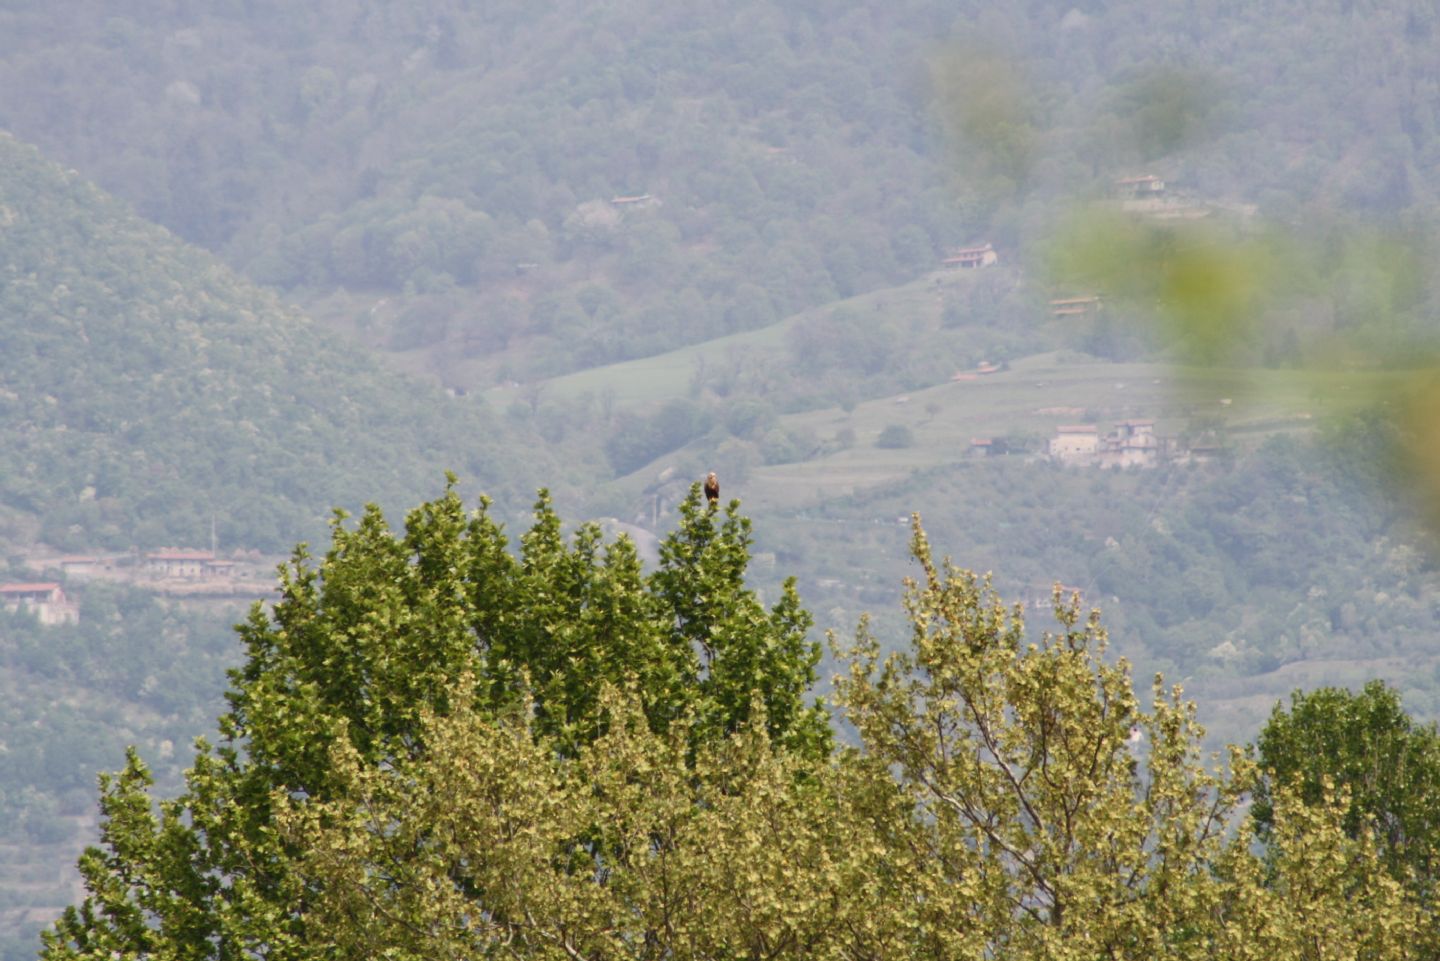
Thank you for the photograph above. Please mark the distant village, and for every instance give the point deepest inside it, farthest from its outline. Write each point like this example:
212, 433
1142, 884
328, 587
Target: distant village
177, 573
1130, 443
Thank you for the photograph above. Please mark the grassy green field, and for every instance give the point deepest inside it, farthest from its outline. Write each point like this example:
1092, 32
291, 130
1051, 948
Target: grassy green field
650, 381
1036, 395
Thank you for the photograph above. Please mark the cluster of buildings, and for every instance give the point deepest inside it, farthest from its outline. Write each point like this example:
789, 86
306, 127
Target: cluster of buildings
1132, 443
174, 571
45, 599
168, 563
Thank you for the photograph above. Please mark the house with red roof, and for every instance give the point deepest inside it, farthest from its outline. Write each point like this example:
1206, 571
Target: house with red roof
45, 599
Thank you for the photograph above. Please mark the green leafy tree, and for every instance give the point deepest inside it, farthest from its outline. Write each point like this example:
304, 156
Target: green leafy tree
1045, 832
368, 642
635, 847
1318, 893
420, 762
895, 437
1366, 744
1053, 817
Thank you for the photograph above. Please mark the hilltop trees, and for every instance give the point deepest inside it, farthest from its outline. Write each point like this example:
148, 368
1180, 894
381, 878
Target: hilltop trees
439, 750
150, 392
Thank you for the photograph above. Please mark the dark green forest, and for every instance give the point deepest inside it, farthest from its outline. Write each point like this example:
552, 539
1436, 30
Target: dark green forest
797, 152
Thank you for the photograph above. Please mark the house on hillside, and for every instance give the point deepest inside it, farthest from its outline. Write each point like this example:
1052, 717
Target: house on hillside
178, 563
966, 258
1131, 444
1074, 306
987, 446
1075, 443
44, 599
1143, 187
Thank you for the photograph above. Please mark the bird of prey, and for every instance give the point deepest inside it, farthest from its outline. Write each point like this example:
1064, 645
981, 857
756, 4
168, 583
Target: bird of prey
712, 490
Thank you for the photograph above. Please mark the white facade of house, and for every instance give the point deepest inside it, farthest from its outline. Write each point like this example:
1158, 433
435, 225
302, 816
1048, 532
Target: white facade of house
1075, 444
45, 600
178, 563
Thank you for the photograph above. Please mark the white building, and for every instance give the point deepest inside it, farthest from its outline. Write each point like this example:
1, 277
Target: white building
1075, 443
44, 599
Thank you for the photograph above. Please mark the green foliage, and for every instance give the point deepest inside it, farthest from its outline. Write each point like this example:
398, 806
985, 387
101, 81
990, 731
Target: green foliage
633, 848
133, 669
367, 645
1019, 758
749, 139
1170, 109
1206, 287
997, 803
895, 437
638, 440
1296, 556
1053, 817
1367, 746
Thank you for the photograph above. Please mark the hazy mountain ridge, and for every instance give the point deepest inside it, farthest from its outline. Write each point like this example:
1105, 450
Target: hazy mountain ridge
436, 153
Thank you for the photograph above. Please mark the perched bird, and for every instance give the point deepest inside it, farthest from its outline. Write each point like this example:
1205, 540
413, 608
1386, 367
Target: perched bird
712, 489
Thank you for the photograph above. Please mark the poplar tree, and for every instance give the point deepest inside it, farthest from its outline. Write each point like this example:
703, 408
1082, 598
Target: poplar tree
367, 642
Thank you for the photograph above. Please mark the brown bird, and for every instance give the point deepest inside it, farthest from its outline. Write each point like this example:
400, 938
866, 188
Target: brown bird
712, 489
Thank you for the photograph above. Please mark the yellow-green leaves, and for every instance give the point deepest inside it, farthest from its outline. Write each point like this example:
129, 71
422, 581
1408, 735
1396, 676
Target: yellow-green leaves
1059, 819
1320, 895
627, 849
393, 789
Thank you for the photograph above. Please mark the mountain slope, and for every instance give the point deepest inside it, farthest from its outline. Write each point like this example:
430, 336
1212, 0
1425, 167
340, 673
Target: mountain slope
145, 388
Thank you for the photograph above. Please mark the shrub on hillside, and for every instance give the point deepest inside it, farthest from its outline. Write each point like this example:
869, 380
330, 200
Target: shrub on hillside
894, 437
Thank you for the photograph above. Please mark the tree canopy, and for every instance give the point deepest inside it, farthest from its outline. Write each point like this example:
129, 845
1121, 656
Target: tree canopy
438, 749
1365, 743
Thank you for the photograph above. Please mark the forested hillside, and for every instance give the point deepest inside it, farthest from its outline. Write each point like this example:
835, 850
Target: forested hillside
440, 150
149, 391
472, 159
1294, 565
